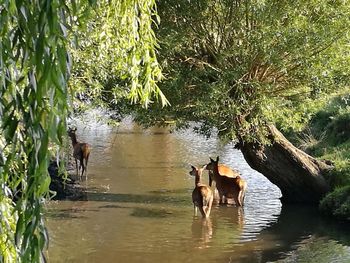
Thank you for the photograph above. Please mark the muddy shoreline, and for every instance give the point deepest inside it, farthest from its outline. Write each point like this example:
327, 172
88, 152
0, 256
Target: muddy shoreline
65, 189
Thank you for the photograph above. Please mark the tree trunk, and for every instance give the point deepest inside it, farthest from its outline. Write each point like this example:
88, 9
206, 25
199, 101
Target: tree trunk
298, 175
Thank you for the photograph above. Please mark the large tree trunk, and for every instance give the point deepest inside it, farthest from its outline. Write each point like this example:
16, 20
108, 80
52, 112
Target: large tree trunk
297, 174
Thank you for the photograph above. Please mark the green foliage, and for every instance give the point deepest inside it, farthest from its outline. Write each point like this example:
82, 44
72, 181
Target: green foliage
327, 137
335, 119
328, 128
33, 107
237, 65
116, 57
337, 203
8, 228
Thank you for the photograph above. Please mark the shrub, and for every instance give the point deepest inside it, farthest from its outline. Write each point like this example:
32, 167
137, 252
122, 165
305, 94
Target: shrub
337, 203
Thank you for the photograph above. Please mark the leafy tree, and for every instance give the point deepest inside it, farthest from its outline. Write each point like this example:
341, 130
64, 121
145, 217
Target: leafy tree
108, 65
35, 66
244, 66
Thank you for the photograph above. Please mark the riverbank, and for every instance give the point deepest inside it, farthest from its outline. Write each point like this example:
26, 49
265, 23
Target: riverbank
327, 137
65, 188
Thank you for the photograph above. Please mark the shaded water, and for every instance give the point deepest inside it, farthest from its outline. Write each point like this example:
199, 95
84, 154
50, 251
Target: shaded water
139, 208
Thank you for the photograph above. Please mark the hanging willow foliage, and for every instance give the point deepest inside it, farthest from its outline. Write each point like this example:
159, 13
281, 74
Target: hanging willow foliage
34, 71
136, 53
33, 106
116, 53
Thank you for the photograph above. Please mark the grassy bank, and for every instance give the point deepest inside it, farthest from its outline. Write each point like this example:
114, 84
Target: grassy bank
327, 136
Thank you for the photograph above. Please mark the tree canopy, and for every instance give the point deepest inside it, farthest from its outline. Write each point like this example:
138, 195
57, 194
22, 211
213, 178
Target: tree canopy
238, 65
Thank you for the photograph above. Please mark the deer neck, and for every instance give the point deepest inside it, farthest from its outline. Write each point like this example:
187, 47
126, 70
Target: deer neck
74, 140
198, 179
216, 173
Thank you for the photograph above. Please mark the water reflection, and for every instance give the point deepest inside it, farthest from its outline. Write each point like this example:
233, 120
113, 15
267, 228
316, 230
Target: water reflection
139, 208
202, 231
293, 238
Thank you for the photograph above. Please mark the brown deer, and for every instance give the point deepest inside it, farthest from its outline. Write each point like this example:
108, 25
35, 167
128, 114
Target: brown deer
202, 195
227, 187
81, 152
224, 170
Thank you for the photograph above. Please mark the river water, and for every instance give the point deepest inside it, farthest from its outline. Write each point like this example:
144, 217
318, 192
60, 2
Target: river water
139, 209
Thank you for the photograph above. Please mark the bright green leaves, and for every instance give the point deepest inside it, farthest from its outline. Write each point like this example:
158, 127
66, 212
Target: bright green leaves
8, 221
33, 108
117, 54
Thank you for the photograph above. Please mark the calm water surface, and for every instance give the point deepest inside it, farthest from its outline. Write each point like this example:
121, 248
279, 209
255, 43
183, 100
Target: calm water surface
139, 208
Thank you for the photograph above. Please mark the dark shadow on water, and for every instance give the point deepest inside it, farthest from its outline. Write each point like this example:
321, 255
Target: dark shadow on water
66, 214
294, 225
172, 191
296, 222
112, 206
151, 213
134, 198
155, 197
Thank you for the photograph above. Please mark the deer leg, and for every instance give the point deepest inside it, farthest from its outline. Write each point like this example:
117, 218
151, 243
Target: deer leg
236, 197
86, 163
221, 198
210, 202
242, 196
82, 166
216, 194
76, 166
195, 210
225, 200
201, 209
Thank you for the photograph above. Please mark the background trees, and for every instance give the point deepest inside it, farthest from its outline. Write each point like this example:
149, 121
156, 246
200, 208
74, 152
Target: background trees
237, 65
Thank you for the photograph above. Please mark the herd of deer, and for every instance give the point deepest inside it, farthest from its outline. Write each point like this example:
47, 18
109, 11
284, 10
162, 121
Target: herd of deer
228, 182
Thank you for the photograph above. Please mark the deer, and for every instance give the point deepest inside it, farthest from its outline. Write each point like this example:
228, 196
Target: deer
81, 152
202, 195
224, 170
227, 187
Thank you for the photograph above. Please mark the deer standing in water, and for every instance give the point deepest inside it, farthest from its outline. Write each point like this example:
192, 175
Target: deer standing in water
227, 187
202, 195
81, 152
224, 170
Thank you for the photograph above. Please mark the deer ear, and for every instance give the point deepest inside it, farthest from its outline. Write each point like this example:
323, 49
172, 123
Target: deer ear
193, 168
217, 158
75, 129
211, 160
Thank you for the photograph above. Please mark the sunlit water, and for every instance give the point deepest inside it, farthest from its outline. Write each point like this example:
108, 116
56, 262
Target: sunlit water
139, 208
